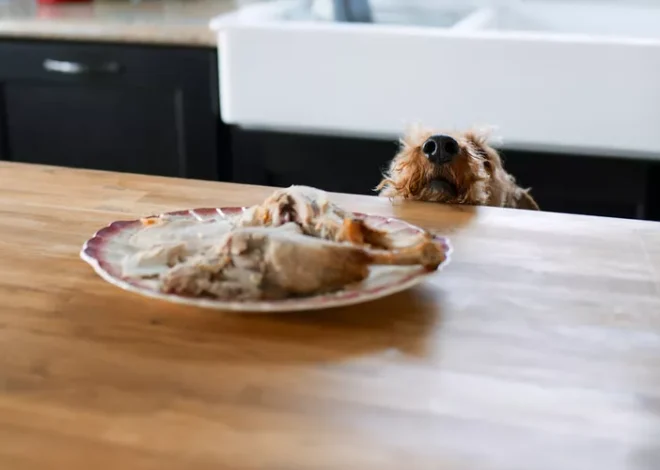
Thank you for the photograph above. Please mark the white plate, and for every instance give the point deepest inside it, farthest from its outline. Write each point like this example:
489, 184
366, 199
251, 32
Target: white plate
108, 247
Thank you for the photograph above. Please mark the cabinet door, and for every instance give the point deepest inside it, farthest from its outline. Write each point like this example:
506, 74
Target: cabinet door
589, 185
123, 108
348, 165
4, 153
98, 127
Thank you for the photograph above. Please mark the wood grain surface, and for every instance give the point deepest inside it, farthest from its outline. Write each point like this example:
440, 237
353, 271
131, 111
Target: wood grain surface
538, 347
163, 22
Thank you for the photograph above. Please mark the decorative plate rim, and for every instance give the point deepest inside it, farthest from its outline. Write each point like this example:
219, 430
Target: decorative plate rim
318, 302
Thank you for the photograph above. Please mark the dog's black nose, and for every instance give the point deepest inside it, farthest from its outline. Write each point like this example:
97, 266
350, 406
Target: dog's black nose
440, 148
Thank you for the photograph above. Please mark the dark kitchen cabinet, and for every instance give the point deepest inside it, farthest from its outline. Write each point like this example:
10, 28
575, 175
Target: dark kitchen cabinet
590, 185
140, 109
349, 165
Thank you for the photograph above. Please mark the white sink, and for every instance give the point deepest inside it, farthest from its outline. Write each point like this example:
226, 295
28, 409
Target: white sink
606, 19
578, 77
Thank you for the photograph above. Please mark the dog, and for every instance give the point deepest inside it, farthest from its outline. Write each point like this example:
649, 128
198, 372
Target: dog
456, 168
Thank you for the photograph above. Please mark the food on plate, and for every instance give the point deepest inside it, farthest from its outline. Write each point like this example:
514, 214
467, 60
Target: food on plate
316, 215
269, 263
296, 243
153, 261
166, 241
167, 230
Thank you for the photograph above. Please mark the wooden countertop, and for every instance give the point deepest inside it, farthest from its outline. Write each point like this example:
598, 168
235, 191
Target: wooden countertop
537, 348
170, 22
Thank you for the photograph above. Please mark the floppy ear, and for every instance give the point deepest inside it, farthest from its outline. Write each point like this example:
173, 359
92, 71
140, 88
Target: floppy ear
481, 139
525, 201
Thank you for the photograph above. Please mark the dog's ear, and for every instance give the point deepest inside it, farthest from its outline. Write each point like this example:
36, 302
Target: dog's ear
480, 139
525, 201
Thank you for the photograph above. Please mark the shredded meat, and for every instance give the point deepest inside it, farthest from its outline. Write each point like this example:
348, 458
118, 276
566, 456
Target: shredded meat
274, 263
311, 209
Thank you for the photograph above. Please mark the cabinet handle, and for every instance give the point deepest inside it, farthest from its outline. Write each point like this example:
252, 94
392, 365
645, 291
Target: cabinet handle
76, 68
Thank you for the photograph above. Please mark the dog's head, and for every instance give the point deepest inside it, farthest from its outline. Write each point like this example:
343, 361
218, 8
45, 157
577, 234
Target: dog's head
446, 167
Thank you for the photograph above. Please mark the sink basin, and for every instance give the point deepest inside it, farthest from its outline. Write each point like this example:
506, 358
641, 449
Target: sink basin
436, 14
558, 76
607, 20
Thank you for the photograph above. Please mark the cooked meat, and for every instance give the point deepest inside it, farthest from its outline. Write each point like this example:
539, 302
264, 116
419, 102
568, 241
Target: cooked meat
153, 261
164, 242
274, 263
296, 243
311, 209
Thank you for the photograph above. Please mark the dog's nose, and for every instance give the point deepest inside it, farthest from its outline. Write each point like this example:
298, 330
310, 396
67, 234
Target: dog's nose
440, 148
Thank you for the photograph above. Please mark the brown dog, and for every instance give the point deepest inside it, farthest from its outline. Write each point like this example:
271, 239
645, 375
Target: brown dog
457, 169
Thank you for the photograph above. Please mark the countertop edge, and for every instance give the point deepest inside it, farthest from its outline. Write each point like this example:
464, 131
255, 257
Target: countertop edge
143, 34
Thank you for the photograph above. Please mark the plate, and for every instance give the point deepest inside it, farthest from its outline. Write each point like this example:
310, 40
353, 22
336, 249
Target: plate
108, 247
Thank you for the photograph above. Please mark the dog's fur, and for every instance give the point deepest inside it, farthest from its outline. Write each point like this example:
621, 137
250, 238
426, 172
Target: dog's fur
475, 177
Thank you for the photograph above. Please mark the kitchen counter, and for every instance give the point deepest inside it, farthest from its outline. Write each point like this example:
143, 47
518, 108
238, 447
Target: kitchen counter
171, 22
536, 348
